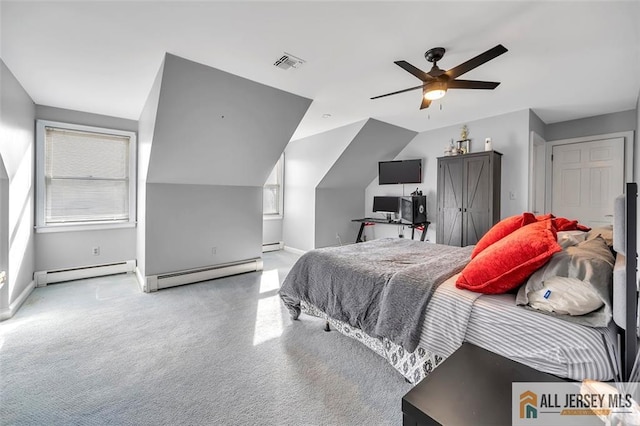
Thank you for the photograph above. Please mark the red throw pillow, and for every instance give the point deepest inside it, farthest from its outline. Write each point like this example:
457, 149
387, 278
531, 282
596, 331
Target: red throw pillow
542, 217
564, 224
508, 263
501, 230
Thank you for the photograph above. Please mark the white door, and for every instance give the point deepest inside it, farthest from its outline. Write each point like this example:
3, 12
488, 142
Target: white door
587, 176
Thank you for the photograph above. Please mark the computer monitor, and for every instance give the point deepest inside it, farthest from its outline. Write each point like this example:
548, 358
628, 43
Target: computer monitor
385, 204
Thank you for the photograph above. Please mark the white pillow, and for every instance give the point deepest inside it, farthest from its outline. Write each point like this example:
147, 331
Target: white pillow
565, 296
571, 238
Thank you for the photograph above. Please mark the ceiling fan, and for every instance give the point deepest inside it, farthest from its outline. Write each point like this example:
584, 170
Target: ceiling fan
436, 82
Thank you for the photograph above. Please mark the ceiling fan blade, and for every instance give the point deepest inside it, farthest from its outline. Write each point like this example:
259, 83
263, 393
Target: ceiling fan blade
399, 91
472, 84
413, 70
425, 103
476, 62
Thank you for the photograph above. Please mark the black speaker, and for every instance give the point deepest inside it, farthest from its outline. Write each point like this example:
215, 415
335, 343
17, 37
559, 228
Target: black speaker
414, 209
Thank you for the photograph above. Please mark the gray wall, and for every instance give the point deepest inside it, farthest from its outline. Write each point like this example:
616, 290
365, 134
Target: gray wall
16, 186
146, 128
537, 125
510, 136
326, 175
358, 163
335, 207
184, 223
271, 231
307, 161
216, 138
340, 194
599, 125
59, 250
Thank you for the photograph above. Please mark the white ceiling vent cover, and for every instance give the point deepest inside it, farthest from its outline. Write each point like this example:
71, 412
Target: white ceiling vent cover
287, 61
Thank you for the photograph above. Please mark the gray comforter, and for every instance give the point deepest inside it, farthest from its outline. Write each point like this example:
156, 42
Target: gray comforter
381, 286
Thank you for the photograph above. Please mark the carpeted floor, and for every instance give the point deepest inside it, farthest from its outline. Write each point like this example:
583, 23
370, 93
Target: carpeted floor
222, 352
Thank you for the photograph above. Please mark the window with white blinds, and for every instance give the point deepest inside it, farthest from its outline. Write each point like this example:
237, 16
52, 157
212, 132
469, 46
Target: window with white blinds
272, 199
86, 175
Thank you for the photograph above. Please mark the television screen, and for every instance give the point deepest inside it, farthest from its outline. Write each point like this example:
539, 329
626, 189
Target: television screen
386, 204
399, 171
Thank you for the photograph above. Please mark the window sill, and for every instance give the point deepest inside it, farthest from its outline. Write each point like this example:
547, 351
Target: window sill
83, 227
272, 217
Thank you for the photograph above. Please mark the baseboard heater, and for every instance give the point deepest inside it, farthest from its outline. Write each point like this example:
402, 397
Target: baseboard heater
272, 247
157, 282
42, 278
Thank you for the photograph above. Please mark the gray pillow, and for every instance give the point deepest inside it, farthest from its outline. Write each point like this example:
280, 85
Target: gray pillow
605, 232
591, 262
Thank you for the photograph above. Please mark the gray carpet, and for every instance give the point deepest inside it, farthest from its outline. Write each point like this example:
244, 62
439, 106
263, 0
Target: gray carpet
222, 352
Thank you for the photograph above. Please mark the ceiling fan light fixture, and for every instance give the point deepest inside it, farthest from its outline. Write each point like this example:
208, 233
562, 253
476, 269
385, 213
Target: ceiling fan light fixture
435, 91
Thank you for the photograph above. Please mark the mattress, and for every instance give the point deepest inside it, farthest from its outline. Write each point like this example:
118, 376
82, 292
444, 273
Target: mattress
541, 341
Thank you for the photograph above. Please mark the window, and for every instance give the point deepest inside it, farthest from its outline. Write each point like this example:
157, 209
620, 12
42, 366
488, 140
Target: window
272, 199
85, 177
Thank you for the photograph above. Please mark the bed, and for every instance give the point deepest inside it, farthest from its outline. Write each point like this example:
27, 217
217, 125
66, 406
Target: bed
400, 298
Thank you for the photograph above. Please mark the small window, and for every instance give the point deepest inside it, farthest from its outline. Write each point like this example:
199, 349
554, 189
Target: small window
85, 177
272, 199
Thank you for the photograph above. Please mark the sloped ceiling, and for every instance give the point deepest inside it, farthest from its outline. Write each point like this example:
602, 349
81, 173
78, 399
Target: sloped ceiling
216, 128
309, 159
357, 166
566, 59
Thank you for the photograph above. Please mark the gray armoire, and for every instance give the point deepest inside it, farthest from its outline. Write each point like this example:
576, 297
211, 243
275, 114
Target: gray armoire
468, 197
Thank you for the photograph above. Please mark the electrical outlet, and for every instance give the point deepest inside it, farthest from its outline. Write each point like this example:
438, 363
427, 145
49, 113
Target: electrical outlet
96, 251
214, 250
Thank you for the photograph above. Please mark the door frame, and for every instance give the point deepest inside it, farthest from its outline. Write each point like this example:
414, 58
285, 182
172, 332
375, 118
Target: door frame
628, 159
535, 169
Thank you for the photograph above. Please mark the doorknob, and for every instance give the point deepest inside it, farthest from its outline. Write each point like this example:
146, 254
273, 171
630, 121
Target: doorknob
608, 215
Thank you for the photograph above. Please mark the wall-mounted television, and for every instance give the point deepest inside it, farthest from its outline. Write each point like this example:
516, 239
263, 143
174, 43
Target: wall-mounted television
399, 171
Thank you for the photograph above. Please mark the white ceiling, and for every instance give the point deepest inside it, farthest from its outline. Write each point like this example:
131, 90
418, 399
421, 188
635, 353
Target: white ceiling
566, 60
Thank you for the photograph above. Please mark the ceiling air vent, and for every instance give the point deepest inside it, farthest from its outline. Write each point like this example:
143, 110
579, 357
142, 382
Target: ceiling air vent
287, 61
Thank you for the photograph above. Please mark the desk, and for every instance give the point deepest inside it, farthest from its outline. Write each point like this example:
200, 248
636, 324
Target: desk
373, 220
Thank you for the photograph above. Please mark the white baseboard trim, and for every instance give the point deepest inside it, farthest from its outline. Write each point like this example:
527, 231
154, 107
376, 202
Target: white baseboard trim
13, 308
173, 279
42, 278
272, 247
294, 250
140, 279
